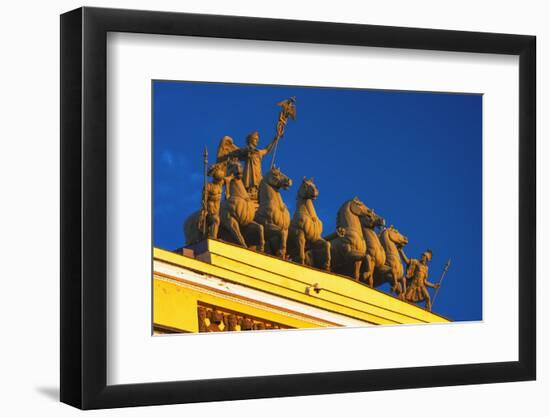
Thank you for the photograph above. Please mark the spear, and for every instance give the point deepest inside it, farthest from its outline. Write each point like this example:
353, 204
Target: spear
204, 195
445, 269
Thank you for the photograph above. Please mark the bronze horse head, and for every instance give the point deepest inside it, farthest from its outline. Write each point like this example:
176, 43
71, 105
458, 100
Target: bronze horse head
277, 179
308, 190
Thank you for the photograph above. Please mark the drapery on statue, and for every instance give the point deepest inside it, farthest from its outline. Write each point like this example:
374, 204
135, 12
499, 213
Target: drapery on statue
305, 244
250, 155
417, 275
272, 212
237, 213
205, 222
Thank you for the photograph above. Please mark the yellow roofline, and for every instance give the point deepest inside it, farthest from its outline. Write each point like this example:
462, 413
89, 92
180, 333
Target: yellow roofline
175, 307
286, 279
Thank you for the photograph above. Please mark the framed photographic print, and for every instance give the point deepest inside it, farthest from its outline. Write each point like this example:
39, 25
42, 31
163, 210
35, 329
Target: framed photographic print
258, 208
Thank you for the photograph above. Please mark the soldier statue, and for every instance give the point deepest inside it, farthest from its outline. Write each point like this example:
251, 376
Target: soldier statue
417, 278
209, 219
205, 222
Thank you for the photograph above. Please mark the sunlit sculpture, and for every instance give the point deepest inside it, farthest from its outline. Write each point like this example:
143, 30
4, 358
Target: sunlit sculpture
272, 212
376, 255
305, 244
254, 215
237, 213
392, 271
417, 275
250, 155
348, 247
205, 222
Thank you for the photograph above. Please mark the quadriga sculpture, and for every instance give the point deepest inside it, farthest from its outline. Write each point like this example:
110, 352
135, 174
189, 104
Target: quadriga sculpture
392, 270
348, 246
376, 255
305, 244
272, 212
237, 213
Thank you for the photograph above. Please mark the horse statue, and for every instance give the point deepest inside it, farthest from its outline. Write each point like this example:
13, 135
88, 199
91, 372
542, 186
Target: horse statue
305, 244
348, 246
376, 255
392, 270
237, 213
272, 212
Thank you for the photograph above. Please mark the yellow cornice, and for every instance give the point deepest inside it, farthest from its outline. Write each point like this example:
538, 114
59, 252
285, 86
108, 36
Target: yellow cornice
289, 280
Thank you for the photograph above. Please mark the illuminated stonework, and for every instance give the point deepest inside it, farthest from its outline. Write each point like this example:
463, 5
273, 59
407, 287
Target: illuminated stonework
216, 319
217, 286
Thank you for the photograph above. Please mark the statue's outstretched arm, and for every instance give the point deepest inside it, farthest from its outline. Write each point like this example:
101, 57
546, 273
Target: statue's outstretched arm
431, 284
269, 147
403, 256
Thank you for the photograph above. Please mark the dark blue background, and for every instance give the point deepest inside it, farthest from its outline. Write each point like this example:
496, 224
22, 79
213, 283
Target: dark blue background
414, 157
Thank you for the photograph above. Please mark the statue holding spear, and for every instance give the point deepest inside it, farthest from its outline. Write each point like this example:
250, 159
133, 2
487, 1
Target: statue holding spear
417, 275
209, 218
204, 200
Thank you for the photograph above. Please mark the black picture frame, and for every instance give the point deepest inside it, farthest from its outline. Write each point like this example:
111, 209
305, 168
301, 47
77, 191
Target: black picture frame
84, 207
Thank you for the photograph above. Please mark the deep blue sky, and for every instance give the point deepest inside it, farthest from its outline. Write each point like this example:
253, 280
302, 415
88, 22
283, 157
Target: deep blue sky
414, 157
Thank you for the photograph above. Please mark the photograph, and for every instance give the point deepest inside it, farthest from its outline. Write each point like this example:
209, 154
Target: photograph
282, 207
299, 207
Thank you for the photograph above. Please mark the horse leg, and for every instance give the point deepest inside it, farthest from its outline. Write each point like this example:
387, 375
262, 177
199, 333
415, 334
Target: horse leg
269, 246
321, 248
283, 236
403, 287
338, 257
261, 237
399, 291
396, 285
327, 255
369, 271
278, 240
232, 226
272, 236
357, 269
399, 286
301, 243
257, 231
